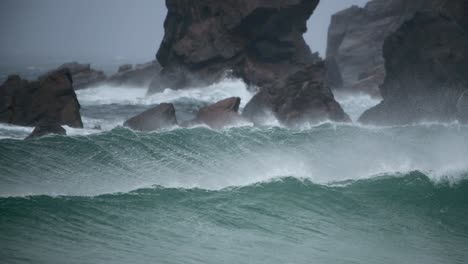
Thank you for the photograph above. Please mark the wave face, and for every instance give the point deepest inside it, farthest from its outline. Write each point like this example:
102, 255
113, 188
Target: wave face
406, 219
326, 194
330, 193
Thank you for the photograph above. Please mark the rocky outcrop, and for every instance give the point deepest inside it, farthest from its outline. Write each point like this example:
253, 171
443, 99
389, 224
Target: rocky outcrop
220, 114
355, 40
159, 117
457, 9
83, 75
50, 99
47, 129
296, 99
258, 41
426, 63
139, 76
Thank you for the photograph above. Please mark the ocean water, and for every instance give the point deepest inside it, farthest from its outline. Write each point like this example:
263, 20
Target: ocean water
322, 193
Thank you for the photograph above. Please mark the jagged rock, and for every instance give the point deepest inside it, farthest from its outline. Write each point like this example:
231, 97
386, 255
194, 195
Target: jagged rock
220, 114
83, 75
355, 40
47, 129
159, 117
50, 99
426, 63
310, 101
258, 41
141, 75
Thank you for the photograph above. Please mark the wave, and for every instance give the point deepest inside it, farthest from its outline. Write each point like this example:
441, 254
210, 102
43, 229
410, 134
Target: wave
106, 94
406, 219
122, 160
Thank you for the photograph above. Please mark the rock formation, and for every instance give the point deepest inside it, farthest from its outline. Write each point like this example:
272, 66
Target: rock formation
355, 40
258, 41
50, 99
159, 117
47, 129
139, 76
296, 99
426, 62
83, 75
220, 114
457, 9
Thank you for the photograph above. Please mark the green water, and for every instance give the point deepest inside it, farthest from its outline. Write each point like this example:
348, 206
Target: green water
326, 194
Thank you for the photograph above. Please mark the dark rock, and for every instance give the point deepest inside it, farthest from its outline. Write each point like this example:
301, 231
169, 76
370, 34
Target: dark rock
83, 75
296, 99
220, 114
462, 107
258, 41
333, 76
457, 9
50, 99
426, 64
125, 67
355, 40
47, 129
139, 76
159, 117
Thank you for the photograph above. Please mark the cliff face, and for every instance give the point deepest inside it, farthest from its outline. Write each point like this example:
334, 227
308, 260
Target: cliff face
355, 40
426, 62
259, 41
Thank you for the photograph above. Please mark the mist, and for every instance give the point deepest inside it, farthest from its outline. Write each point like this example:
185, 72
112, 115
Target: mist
105, 32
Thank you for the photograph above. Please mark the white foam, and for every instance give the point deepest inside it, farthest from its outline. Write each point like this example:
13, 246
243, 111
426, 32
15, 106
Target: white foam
355, 105
137, 96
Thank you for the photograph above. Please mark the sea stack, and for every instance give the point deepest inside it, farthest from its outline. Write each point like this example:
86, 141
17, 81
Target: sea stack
355, 40
426, 61
258, 41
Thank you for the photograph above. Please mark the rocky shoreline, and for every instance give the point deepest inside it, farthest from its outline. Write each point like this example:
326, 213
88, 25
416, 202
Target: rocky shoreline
413, 54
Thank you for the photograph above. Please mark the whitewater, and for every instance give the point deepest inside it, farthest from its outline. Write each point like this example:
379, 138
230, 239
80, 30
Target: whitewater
320, 193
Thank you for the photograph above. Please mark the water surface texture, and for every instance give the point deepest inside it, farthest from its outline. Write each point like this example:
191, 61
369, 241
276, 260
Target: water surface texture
324, 193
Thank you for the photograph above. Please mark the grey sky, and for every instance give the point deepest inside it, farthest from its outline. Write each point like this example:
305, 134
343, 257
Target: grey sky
97, 30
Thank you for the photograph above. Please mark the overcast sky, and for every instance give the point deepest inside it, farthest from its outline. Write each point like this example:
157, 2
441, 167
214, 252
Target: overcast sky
97, 30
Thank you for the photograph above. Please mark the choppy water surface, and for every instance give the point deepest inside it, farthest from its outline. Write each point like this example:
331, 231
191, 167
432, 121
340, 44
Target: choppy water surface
328, 193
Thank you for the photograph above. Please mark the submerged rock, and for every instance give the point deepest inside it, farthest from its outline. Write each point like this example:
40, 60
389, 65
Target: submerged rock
83, 75
220, 114
258, 41
355, 40
47, 129
426, 62
159, 117
50, 99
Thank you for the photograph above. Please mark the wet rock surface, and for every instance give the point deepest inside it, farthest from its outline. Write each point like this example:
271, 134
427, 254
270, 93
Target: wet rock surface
426, 62
258, 41
158, 117
355, 41
50, 99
